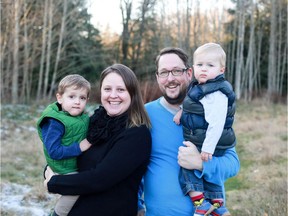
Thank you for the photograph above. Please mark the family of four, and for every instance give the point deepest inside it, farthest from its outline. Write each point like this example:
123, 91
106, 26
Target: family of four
178, 149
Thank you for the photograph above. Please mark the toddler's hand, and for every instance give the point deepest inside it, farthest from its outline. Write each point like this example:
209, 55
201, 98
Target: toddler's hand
206, 156
177, 117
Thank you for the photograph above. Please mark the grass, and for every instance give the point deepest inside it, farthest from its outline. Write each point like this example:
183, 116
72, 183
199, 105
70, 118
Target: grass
260, 188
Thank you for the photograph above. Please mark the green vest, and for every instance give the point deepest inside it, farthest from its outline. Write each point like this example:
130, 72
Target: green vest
75, 131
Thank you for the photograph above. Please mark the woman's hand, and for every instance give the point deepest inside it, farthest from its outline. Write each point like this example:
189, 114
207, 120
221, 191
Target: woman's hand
141, 212
84, 145
48, 175
189, 157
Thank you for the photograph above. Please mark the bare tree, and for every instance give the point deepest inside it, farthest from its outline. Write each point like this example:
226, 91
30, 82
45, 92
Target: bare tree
62, 29
43, 50
188, 24
179, 33
126, 9
232, 51
272, 52
145, 7
281, 47
257, 60
7, 14
249, 69
16, 53
196, 29
24, 91
240, 47
164, 27
49, 43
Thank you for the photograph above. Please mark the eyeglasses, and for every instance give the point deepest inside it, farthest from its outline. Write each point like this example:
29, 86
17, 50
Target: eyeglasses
175, 72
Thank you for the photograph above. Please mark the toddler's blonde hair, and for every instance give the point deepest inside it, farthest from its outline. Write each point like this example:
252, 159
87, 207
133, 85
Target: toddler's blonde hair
211, 47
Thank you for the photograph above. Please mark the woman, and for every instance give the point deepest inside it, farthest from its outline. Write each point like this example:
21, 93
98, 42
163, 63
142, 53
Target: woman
111, 170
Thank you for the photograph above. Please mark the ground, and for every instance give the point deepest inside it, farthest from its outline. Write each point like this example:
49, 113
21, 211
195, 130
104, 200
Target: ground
260, 188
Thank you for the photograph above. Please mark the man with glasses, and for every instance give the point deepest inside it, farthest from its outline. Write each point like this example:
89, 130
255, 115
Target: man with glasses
162, 192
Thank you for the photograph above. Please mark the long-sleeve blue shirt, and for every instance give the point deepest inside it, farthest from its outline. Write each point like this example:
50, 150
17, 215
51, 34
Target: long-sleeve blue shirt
52, 132
162, 192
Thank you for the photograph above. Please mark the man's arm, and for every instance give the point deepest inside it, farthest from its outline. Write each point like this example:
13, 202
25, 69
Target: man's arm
226, 166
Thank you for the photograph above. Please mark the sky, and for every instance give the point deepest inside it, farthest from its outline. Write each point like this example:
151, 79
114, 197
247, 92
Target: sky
107, 13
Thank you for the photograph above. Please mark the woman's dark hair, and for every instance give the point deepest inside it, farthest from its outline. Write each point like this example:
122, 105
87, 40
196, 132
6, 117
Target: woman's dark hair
136, 112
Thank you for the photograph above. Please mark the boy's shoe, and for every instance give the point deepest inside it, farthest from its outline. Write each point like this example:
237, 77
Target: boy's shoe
203, 207
221, 211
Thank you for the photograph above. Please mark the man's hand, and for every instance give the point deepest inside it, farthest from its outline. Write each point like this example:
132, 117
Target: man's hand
189, 157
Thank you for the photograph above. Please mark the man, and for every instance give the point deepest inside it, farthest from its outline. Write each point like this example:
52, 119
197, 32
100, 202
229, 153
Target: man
162, 192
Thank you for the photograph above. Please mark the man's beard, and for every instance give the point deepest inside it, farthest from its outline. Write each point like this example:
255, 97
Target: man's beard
177, 100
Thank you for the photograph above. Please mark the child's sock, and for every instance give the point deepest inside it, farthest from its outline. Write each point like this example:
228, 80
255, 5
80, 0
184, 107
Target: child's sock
217, 202
198, 199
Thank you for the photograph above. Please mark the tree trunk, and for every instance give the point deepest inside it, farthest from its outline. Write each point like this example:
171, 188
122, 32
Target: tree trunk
249, 69
282, 51
15, 74
240, 48
272, 53
126, 16
49, 43
146, 6
62, 30
5, 52
233, 59
43, 52
258, 72
196, 30
188, 24
179, 35
24, 92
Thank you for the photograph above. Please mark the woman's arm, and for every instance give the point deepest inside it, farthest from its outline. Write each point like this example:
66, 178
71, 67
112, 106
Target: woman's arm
130, 151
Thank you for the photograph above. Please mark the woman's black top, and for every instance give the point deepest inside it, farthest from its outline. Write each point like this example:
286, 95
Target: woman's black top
110, 171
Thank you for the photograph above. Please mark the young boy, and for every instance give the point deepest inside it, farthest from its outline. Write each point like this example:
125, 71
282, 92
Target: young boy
207, 118
62, 128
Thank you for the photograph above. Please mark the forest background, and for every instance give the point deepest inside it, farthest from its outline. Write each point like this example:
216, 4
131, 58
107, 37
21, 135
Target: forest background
41, 41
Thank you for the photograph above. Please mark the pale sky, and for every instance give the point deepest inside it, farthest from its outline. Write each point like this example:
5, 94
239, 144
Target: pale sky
107, 12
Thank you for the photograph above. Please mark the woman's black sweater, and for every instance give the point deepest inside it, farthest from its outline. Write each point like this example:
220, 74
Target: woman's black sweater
109, 175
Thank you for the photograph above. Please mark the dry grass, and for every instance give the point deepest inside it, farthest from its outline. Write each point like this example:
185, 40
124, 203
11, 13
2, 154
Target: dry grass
262, 145
259, 189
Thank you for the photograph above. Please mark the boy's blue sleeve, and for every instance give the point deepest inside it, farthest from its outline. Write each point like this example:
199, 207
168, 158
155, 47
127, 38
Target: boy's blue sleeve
140, 195
52, 133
